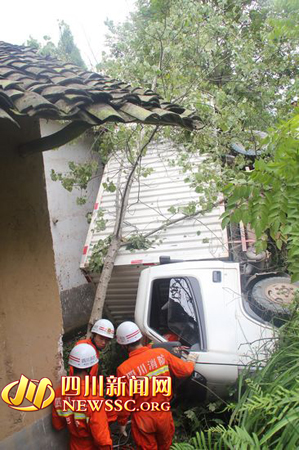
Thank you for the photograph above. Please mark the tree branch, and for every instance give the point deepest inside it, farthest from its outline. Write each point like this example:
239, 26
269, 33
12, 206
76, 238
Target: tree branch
130, 179
169, 223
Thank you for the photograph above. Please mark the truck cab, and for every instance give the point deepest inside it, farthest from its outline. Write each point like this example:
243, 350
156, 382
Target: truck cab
200, 304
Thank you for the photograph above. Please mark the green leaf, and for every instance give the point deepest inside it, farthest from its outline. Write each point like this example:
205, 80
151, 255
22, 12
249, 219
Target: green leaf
225, 222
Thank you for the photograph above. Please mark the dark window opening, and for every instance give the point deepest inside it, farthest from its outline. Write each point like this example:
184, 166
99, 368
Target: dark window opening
173, 313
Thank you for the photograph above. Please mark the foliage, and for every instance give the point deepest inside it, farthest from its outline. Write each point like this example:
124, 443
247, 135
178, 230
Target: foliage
129, 156
236, 62
119, 141
138, 242
189, 416
110, 358
66, 50
267, 197
109, 186
47, 48
99, 251
100, 222
217, 57
68, 344
267, 413
78, 177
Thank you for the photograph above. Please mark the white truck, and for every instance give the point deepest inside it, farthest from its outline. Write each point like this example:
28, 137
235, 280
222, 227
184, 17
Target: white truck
215, 307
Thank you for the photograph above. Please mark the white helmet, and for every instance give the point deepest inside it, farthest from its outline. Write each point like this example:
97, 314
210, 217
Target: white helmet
83, 356
103, 327
127, 333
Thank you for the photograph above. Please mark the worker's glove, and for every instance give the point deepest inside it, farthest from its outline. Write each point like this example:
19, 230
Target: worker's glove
190, 356
122, 430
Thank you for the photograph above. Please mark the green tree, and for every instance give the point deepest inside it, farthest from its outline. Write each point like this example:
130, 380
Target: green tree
216, 56
232, 61
236, 62
267, 198
66, 49
47, 48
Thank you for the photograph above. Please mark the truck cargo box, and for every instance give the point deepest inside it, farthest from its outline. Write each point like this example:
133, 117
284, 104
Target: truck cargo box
150, 199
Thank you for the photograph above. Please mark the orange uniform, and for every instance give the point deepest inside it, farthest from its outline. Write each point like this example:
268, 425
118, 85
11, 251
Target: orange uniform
151, 430
171, 337
111, 415
88, 430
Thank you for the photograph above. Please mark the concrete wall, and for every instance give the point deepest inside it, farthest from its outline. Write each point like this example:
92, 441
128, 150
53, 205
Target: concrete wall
69, 226
37, 436
30, 312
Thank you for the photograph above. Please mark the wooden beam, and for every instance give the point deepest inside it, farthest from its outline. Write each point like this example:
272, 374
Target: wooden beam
62, 137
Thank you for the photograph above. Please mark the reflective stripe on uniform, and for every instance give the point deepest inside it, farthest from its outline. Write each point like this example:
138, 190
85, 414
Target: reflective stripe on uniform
79, 415
163, 369
68, 413
64, 413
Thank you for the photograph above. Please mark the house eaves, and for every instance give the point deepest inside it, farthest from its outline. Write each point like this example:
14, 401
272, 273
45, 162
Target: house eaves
46, 88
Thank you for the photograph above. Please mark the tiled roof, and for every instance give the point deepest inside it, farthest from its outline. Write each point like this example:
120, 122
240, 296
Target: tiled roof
46, 88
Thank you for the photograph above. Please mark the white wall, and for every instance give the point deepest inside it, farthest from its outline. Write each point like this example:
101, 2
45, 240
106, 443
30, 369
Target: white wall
68, 222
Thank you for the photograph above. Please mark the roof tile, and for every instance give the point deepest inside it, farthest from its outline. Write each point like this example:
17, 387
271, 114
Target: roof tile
45, 87
32, 100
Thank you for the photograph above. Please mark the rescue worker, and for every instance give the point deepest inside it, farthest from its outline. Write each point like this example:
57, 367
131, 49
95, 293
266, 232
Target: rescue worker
88, 430
102, 333
151, 430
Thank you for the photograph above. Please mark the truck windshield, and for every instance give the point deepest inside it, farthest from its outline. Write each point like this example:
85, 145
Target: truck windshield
172, 313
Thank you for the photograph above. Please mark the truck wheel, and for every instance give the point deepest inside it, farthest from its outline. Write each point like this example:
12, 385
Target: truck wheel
271, 297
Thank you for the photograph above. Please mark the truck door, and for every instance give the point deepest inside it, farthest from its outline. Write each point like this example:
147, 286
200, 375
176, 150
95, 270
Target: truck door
196, 312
